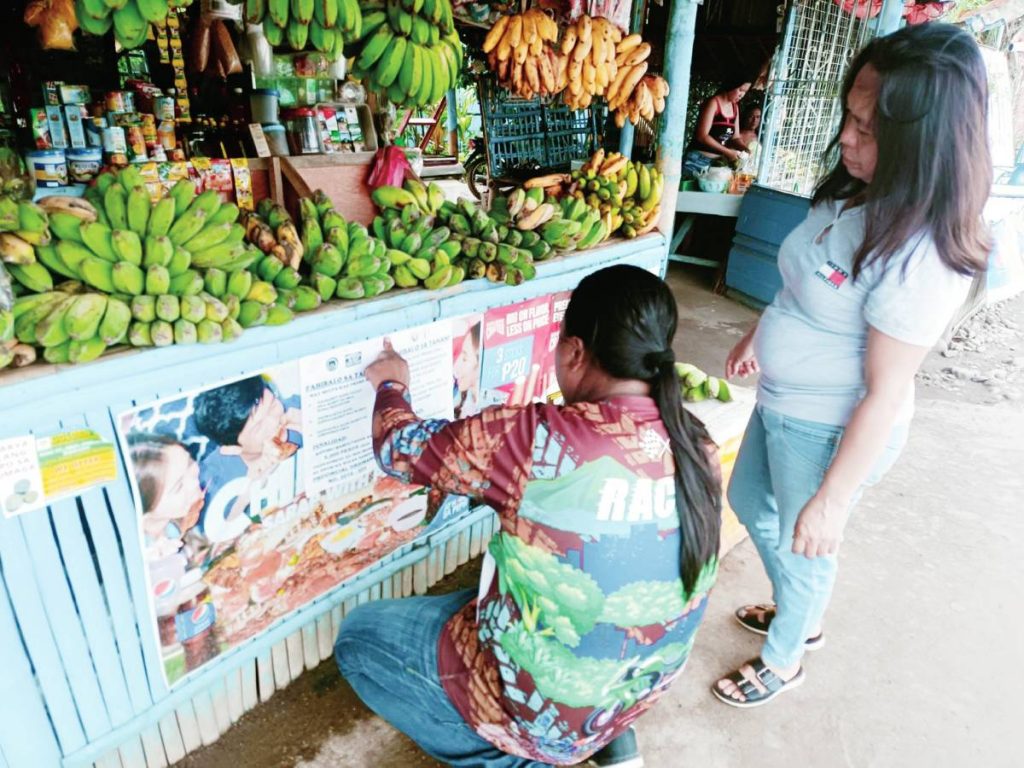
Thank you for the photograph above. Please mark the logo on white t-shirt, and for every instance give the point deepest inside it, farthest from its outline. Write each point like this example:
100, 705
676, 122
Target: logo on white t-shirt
833, 275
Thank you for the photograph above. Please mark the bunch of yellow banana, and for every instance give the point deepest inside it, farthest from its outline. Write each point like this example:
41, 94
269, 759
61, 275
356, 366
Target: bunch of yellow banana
645, 101
408, 50
519, 52
642, 207
591, 48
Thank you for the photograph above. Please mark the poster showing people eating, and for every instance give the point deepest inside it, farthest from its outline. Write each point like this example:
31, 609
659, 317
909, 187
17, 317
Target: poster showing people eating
260, 493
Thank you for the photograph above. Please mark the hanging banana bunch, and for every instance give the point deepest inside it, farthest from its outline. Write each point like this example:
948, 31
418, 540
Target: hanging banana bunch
520, 52
409, 50
299, 25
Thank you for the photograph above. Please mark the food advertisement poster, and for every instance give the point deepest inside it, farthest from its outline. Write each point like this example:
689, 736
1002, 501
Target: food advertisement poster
516, 352
258, 494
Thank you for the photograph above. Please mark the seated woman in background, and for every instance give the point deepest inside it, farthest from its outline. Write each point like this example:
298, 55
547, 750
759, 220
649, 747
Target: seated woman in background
718, 123
750, 127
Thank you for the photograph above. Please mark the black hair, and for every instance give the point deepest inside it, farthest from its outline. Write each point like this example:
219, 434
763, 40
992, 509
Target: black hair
733, 80
221, 413
626, 318
934, 172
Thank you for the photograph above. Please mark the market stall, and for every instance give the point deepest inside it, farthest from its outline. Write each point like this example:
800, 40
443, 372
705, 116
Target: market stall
158, 575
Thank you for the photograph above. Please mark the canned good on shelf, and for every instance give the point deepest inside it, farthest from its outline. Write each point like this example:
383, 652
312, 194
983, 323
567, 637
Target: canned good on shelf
49, 167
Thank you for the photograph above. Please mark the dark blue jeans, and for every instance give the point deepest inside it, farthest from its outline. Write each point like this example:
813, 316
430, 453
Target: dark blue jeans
387, 651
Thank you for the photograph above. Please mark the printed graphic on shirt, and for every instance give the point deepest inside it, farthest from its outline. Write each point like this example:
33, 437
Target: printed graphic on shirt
833, 275
587, 622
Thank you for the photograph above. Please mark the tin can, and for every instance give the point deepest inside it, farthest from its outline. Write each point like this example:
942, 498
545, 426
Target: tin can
114, 141
136, 142
149, 129
116, 101
164, 107
166, 135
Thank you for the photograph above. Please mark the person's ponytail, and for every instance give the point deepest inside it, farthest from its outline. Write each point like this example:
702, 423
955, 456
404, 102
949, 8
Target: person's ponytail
627, 320
698, 487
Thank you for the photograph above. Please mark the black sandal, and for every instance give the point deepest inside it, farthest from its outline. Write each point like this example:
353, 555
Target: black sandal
759, 626
752, 695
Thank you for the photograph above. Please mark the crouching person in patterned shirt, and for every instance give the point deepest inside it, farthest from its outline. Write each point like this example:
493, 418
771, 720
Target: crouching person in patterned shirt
593, 589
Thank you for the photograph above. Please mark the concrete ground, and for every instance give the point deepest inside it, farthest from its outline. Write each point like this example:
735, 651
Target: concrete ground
924, 633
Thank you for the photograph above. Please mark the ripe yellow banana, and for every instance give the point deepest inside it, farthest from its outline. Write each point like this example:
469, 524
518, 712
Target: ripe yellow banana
495, 35
569, 40
515, 31
638, 54
628, 43
627, 85
529, 29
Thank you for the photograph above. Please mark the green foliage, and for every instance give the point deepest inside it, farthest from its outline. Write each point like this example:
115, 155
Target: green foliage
564, 600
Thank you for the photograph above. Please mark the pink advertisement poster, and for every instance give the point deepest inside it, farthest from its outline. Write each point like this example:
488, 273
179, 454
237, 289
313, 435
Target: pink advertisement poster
516, 351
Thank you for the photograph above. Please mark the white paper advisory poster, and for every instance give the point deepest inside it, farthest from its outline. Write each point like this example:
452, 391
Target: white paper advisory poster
337, 403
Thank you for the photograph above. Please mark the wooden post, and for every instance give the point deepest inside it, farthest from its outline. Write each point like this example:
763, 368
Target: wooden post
682, 25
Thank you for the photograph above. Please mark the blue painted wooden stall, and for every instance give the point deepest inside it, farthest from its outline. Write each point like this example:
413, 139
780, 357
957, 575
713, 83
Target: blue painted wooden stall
766, 217
81, 679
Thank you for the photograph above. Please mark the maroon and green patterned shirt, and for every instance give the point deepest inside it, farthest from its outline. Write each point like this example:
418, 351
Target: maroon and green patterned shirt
585, 622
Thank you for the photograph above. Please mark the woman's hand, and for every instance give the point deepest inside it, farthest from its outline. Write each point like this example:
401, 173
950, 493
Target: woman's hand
741, 360
389, 366
819, 528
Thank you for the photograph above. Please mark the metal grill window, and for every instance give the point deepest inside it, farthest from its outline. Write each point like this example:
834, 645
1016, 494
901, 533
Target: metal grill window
802, 110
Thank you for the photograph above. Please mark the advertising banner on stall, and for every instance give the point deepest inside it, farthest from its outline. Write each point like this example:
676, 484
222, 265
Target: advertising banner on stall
258, 494
516, 341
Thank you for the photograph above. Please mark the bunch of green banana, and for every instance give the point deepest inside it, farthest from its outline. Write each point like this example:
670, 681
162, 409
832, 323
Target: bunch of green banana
408, 50
122, 269
129, 18
697, 386
322, 25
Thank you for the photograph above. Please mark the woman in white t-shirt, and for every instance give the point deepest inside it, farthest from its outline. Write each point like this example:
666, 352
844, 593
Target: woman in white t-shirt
871, 279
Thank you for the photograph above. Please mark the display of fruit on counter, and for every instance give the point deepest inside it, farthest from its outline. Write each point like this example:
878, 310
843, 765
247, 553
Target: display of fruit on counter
565, 224
625, 194
519, 52
697, 386
342, 258
630, 191
297, 25
117, 268
408, 50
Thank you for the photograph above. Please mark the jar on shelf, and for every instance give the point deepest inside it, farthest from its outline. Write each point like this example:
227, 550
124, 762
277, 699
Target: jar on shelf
263, 103
277, 139
303, 131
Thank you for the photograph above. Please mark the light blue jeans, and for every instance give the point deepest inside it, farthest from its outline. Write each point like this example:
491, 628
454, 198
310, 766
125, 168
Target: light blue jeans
780, 466
387, 651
